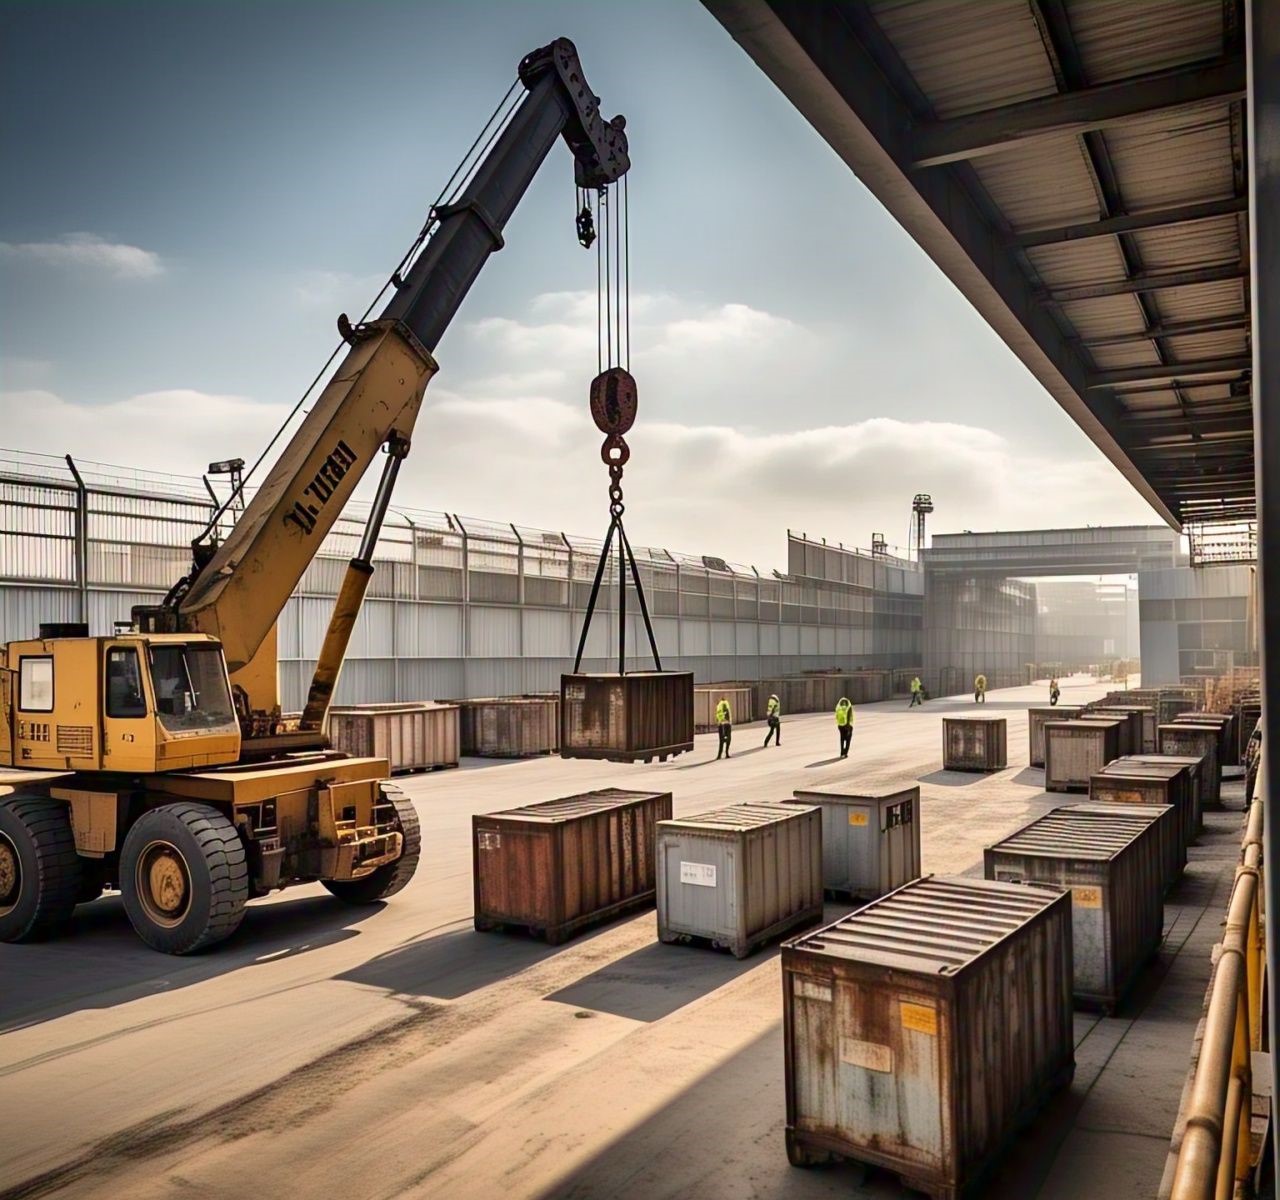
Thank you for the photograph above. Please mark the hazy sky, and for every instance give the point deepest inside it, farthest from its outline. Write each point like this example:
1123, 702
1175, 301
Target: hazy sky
193, 191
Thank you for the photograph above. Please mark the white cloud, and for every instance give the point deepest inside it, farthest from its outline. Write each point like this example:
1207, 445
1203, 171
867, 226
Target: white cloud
340, 291
91, 251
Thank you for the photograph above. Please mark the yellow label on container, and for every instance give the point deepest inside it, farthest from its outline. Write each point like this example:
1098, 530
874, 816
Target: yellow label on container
919, 1017
1086, 897
857, 818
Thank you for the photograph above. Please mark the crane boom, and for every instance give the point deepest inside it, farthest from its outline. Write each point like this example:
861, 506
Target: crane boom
373, 398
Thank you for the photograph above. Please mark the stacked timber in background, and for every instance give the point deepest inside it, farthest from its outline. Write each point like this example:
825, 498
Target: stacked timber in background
411, 736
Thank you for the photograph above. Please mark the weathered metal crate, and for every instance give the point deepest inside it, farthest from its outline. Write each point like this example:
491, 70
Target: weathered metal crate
1036, 720
739, 876
1226, 726
975, 743
1116, 878
1142, 734
1193, 764
555, 868
509, 726
626, 718
870, 843
1196, 741
413, 736
707, 697
921, 1031
1075, 751
1166, 818
1130, 734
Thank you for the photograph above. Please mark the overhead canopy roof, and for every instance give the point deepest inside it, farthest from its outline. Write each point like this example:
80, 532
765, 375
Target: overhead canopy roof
1077, 168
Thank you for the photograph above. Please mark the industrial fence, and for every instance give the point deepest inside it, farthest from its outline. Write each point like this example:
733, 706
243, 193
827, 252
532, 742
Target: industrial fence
457, 607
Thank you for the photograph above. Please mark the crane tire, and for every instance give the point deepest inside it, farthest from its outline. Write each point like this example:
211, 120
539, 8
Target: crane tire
184, 876
389, 879
39, 868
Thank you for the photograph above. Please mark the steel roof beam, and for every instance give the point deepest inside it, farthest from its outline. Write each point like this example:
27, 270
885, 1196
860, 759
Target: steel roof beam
992, 131
1172, 329
1150, 281
1154, 218
1199, 369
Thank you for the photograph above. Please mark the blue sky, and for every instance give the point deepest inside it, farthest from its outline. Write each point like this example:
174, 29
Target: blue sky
195, 190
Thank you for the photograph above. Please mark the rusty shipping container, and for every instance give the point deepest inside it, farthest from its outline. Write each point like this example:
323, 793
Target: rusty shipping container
1075, 751
921, 1031
1194, 767
1116, 878
508, 726
412, 736
1196, 741
1036, 719
739, 876
1134, 780
707, 696
870, 842
555, 868
1226, 726
1129, 740
1142, 732
975, 743
1166, 818
626, 718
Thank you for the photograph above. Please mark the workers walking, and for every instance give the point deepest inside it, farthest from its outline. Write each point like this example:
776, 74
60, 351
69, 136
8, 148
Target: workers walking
917, 692
773, 714
724, 725
980, 690
844, 724
1054, 691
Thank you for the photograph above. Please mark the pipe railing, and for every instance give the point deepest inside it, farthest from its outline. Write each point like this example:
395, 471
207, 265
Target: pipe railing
1216, 1150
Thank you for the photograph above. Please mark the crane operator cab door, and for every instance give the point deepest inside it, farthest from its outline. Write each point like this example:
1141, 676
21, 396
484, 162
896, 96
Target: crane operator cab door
128, 723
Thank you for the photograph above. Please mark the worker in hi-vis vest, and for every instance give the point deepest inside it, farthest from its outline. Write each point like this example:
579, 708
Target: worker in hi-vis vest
844, 724
980, 690
917, 692
773, 714
724, 724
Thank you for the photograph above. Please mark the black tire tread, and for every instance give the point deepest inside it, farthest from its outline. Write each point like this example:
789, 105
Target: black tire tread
386, 881
48, 824
228, 867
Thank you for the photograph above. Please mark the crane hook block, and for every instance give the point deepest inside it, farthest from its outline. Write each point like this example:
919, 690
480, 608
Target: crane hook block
614, 400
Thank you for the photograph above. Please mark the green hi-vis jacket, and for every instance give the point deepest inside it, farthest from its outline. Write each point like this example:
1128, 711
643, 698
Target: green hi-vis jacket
844, 713
723, 715
773, 708
916, 685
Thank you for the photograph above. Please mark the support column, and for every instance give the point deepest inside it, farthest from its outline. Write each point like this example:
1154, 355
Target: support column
1263, 53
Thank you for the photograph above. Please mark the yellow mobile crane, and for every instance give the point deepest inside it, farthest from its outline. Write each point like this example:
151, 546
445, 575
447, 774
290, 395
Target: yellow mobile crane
156, 760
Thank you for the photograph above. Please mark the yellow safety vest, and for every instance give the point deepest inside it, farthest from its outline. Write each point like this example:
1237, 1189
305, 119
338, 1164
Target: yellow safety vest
916, 685
844, 714
980, 683
723, 715
774, 708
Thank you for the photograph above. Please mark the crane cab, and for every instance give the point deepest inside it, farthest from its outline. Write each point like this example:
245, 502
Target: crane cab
133, 704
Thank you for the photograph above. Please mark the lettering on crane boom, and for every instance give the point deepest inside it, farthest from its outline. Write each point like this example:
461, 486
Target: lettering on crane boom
318, 492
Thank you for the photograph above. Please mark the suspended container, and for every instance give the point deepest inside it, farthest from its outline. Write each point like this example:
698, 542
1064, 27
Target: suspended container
740, 876
706, 698
1075, 751
922, 1031
415, 736
1036, 720
557, 867
1197, 741
975, 743
870, 842
626, 718
1116, 877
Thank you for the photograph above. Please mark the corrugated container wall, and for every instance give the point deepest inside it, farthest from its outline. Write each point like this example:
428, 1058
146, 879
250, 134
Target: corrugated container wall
626, 718
1075, 751
411, 737
1036, 719
870, 842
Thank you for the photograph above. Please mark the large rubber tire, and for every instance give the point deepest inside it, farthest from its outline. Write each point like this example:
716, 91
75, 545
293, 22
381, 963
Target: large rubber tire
184, 877
39, 868
388, 880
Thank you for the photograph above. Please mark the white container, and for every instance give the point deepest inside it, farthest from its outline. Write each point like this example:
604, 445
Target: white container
870, 843
739, 876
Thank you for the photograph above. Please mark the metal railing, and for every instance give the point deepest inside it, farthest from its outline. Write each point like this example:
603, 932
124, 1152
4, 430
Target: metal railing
1216, 1151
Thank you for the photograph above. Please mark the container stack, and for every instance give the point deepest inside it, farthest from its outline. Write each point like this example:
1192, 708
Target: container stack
1036, 721
922, 1030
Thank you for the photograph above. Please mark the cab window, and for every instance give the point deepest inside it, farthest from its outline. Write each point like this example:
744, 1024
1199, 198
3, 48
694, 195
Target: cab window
124, 684
35, 684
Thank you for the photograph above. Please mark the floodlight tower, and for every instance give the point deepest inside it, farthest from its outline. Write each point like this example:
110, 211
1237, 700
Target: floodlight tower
921, 507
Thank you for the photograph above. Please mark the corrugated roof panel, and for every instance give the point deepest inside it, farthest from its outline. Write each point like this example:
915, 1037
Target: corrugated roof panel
1097, 260
1104, 315
968, 55
1208, 345
1047, 182
1118, 39
1203, 300
1174, 157
1131, 354
1188, 245
1144, 402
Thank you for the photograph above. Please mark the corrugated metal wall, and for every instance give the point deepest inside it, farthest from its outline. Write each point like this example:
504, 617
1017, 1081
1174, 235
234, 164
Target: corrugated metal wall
457, 607
1196, 621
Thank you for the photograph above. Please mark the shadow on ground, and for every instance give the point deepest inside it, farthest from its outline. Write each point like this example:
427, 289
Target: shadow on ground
100, 962
954, 778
